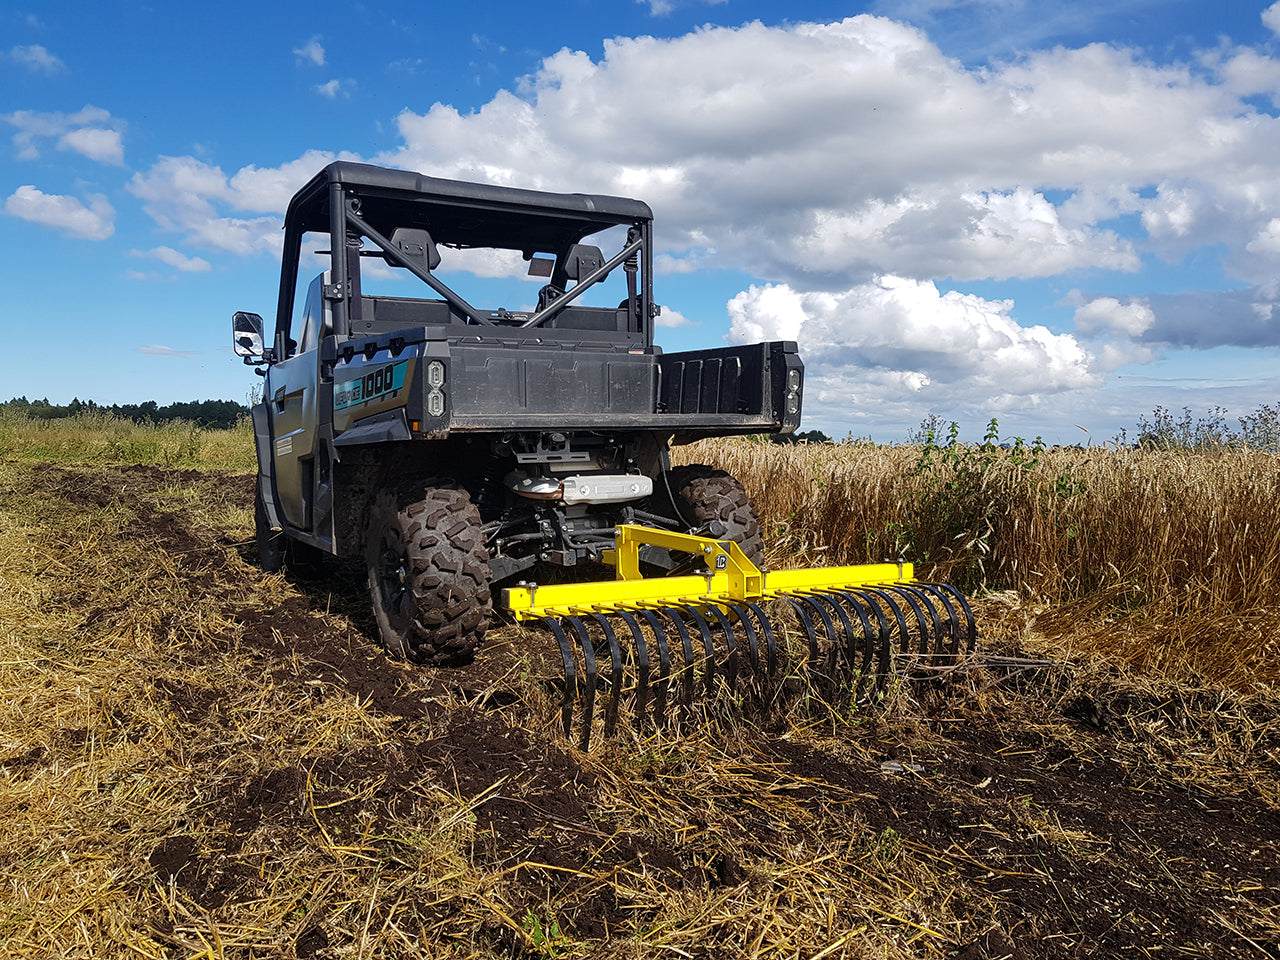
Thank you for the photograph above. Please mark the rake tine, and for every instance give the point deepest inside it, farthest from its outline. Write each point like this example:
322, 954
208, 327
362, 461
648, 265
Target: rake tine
847, 648
940, 630
771, 644
885, 651
810, 634
570, 674
868, 643
731, 665
642, 667
753, 646
664, 667
971, 625
708, 649
919, 603
904, 633
686, 650
615, 674
762, 687
589, 694
952, 629
828, 627
824, 680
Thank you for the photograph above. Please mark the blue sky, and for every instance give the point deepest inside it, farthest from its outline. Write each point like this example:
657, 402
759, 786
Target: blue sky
1054, 214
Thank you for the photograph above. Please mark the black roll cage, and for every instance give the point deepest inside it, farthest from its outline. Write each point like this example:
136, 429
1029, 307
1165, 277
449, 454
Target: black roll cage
351, 201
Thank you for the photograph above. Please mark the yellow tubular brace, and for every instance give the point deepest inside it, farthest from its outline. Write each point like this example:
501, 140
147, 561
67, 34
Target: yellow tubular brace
730, 578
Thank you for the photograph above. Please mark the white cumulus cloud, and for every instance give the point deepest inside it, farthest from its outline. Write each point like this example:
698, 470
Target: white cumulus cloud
197, 199
670, 317
334, 89
96, 143
37, 59
91, 132
895, 338
92, 221
824, 153
1271, 18
268, 189
1109, 315
174, 259
184, 195
311, 52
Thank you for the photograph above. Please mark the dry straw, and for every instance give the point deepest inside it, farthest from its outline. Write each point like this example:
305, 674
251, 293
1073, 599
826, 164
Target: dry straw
201, 760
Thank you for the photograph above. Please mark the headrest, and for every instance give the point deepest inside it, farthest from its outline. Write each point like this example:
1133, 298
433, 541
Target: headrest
416, 244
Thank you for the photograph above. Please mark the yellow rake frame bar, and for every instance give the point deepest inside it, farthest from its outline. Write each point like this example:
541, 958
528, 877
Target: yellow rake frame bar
730, 578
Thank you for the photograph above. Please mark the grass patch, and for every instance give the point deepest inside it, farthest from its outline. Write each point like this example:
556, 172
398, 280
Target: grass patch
99, 437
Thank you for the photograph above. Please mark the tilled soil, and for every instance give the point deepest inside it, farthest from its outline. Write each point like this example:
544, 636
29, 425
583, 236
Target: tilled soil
1036, 816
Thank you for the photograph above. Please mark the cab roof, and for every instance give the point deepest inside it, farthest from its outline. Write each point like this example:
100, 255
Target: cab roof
459, 213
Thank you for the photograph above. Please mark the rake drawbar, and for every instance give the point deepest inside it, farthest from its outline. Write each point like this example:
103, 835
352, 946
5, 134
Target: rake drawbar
856, 620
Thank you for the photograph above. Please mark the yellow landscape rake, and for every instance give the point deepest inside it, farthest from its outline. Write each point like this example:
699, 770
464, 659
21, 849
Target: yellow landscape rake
856, 621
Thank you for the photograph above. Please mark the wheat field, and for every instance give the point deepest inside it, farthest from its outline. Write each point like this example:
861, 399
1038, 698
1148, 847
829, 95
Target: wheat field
1165, 559
201, 760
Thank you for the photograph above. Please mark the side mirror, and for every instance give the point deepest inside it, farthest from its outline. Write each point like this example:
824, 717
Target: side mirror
246, 333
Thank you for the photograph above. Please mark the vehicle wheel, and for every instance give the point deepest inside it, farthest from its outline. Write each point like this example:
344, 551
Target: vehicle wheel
702, 494
270, 542
429, 574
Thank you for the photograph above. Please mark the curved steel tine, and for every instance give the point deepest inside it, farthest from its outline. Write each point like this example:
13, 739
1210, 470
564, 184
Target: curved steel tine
771, 644
836, 648
920, 603
822, 681
761, 691
971, 623
807, 624
827, 626
686, 651
885, 652
664, 667
753, 646
904, 633
589, 666
731, 665
868, 643
615, 675
708, 649
952, 630
642, 666
570, 674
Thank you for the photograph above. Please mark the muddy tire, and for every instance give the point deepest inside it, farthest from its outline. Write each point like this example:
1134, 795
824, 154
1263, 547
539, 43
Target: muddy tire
271, 543
703, 493
428, 574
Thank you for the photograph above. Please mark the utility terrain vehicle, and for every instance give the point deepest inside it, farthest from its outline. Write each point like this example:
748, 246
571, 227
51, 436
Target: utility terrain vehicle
452, 439
410, 418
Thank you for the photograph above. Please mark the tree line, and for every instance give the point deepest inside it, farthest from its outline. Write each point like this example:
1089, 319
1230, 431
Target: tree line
212, 414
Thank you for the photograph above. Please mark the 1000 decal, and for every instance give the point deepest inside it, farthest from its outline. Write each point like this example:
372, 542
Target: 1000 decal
379, 383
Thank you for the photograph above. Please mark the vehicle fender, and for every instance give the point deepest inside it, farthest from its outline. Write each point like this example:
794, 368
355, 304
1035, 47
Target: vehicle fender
266, 473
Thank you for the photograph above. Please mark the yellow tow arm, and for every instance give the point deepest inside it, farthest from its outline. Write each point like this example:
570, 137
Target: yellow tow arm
731, 578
